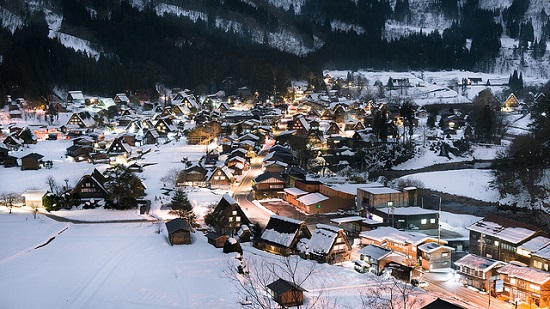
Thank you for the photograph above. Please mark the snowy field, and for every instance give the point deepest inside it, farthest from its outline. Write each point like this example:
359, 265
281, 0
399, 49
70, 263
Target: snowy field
129, 265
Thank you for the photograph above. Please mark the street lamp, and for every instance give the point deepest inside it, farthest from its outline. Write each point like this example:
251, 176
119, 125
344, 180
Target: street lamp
390, 204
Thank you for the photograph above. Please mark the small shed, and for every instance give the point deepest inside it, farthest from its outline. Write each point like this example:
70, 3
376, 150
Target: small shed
179, 232
31, 161
286, 293
34, 198
216, 239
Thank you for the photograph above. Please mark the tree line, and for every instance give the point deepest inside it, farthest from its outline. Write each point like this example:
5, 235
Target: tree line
140, 48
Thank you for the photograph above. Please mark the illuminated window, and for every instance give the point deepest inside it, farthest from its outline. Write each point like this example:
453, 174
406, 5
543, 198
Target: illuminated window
432, 221
423, 221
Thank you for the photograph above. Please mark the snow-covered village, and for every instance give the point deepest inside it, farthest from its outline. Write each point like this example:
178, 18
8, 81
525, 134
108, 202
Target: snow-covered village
319, 200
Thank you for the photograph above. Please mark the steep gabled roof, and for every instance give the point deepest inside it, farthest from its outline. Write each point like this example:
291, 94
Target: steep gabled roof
282, 230
322, 239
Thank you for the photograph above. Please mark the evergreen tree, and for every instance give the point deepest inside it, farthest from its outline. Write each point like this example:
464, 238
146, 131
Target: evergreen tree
181, 205
27, 136
124, 187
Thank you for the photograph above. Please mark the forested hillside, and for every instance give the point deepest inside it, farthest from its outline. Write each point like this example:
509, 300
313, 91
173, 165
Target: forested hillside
215, 45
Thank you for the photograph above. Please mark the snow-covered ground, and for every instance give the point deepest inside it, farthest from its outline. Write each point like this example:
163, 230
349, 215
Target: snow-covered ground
130, 265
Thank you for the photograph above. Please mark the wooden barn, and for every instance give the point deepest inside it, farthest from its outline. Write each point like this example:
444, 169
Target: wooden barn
286, 293
216, 239
179, 232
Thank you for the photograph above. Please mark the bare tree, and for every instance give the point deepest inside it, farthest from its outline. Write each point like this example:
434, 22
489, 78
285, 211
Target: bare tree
158, 226
50, 181
252, 275
171, 176
8, 199
389, 293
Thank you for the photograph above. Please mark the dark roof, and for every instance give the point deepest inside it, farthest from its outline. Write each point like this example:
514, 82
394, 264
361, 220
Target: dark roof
33, 155
267, 175
283, 224
441, 304
213, 236
177, 224
281, 286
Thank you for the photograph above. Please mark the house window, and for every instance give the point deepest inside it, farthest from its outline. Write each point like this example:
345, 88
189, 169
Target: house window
423, 221
496, 242
234, 212
238, 219
432, 221
445, 254
512, 280
534, 287
537, 264
230, 219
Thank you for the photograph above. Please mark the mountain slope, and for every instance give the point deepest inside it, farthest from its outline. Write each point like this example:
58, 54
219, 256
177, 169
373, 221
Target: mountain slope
219, 44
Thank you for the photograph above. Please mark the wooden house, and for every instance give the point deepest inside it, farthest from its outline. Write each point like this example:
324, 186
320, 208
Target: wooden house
268, 182
194, 175
32, 161
315, 203
164, 125
179, 232
375, 257
286, 293
12, 142
328, 244
91, 185
435, 257
406, 243
525, 284
378, 197
75, 97
476, 271
510, 104
10, 161
150, 136
81, 120
275, 167
228, 216
79, 153
119, 147
121, 99
282, 235
219, 177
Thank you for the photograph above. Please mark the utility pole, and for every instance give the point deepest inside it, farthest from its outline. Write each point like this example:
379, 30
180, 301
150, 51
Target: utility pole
439, 223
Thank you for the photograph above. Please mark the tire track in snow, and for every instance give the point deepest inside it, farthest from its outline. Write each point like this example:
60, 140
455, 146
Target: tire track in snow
85, 293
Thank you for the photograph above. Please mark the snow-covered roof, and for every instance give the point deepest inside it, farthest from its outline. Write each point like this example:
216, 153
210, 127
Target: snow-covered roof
510, 234
374, 252
535, 244
525, 273
322, 239
281, 230
34, 194
412, 210
351, 188
542, 253
477, 262
295, 191
378, 190
312, 198
386, 233
432, 247
347, 219
230, 200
